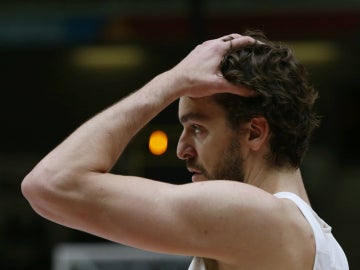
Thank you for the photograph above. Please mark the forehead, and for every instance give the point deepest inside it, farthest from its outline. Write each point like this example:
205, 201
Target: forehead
201, 108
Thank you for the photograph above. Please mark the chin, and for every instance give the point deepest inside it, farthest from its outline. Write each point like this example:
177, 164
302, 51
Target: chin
198, 178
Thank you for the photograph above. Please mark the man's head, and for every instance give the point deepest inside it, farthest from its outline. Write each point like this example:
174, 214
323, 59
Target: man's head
209, 145
225, 136
285, 98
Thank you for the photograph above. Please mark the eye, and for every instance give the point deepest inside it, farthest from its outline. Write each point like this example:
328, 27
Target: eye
196, 129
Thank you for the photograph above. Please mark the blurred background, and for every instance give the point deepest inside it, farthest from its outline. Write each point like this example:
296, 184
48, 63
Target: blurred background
63, 61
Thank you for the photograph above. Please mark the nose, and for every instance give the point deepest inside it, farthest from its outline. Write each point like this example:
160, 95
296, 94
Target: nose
185, 149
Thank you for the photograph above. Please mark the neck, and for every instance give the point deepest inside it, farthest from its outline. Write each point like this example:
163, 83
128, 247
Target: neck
277, 180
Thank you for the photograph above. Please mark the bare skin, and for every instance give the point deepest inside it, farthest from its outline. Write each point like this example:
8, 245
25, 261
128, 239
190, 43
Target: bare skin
235, 225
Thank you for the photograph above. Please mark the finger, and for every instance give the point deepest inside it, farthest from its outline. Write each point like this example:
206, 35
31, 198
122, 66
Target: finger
241, 42
235, 41
239, 90
257, 42
229, 37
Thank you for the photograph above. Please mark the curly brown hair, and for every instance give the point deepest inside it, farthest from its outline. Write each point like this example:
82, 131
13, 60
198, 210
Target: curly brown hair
285, 97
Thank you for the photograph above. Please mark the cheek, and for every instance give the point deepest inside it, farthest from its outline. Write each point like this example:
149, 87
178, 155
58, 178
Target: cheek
208, 153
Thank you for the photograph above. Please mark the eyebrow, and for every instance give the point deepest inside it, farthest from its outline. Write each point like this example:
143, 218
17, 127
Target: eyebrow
193, 116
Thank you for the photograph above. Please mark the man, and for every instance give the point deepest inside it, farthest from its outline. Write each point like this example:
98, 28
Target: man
247, 119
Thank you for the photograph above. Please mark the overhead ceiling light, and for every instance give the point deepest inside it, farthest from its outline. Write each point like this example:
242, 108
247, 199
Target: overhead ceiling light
108, 57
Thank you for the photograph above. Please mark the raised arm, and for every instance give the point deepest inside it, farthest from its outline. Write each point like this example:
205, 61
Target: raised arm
96, 145
72, 186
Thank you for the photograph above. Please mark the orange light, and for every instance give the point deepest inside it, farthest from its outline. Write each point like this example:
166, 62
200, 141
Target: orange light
158, 142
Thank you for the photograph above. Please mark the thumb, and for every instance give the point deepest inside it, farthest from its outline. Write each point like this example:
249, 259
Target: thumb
240, 90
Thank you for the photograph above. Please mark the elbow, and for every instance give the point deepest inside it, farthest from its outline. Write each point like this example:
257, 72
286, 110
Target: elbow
52, 193
30, 186
26, 186
34, 188
41, 188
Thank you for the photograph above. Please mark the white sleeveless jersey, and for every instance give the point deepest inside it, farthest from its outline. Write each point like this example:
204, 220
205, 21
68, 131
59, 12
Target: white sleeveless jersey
329, 255
197, 264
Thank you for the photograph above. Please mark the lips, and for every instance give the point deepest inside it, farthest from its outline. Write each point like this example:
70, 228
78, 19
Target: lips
194, 170
197, 175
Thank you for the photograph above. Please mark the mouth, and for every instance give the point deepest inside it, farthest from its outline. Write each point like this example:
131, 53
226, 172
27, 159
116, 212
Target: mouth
194, 170
196, 175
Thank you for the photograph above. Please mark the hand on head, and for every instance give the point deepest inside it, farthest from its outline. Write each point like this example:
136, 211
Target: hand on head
199, 74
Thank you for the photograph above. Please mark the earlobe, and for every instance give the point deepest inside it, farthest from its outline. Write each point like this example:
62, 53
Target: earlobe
259, 132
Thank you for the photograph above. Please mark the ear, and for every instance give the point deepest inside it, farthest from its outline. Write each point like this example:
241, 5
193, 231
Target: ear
259, 131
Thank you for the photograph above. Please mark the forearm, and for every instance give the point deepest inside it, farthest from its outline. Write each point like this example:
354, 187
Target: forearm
96, 145
71, 183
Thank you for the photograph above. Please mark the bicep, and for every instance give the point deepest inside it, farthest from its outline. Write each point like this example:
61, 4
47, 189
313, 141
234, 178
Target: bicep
209, 219
230, 219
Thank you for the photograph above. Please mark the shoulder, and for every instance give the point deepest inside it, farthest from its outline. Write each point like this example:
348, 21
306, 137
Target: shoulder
236, 221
